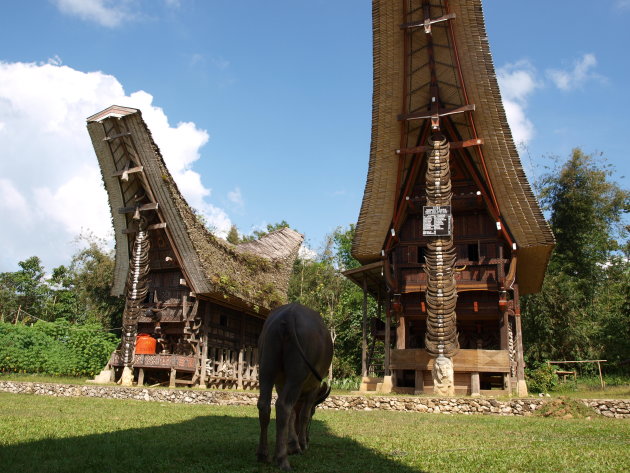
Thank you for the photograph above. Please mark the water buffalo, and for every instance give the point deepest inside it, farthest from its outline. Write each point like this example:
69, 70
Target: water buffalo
295, 352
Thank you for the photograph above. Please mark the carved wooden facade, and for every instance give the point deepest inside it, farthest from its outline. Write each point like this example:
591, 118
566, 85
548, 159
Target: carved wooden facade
434, 80
201, 299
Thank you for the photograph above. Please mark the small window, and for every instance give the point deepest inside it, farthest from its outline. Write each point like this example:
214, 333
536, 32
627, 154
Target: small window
473, 252
421, 252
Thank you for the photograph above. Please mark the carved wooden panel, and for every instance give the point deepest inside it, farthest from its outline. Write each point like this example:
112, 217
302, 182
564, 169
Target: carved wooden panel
483, 361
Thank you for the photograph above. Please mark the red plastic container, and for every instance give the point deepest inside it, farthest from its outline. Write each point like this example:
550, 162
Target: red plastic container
145, 344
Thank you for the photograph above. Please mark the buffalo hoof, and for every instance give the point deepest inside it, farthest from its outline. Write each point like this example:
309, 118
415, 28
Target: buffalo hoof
294, 448
284, 464
262, 457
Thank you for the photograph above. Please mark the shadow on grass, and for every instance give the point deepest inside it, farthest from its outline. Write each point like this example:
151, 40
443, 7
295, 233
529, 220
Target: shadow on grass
203, 444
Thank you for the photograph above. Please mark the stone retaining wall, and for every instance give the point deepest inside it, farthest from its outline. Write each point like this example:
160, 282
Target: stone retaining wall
488, 406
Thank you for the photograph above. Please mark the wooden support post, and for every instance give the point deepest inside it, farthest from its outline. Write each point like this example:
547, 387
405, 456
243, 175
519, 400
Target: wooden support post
520, 361
140, 376
173, 378
239, 369
388, 384
388, 337
601, 378
504, 345
475, 384
364, 367
401, 333
255, 364
204, 347
503, 326
419, 384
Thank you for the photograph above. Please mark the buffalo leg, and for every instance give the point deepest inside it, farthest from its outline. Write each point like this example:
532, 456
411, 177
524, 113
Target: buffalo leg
284, 408
293, 445
264, 413
304, 421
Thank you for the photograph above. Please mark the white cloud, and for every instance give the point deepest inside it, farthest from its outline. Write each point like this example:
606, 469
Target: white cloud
517, 82
307, 253
173, 3
50, 185
108, 13
622, 4
220, 63
197, 59
236, 197
576, 77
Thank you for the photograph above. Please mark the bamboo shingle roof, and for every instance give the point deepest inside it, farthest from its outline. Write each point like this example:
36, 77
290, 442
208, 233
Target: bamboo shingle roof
253, 276
466, 76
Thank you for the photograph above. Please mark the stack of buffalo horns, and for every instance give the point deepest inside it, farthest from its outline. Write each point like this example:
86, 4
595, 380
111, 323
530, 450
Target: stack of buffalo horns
441, 295
137, 290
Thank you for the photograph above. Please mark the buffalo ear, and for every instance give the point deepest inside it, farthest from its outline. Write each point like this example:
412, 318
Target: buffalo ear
323, 393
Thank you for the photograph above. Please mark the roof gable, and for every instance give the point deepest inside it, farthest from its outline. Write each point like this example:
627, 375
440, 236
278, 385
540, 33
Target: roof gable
432, 62
139, 185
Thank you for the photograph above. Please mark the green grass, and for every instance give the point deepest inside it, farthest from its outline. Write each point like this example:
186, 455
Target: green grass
47, 434
43, 378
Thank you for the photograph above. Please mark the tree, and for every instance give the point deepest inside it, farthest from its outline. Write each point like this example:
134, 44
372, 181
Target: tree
90, 276
319, 284
581, 311
232, 235
25, 289
587, 211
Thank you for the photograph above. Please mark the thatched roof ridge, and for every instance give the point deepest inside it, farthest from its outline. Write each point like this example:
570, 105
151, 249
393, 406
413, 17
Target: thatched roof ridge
214, 268
517, 204
277, 245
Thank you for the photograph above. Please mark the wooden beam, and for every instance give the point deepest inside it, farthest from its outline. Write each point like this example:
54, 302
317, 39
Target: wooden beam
142, 208
427, 23
471, 361
118, 135
453, 145
125, 172
441, 112
155, 226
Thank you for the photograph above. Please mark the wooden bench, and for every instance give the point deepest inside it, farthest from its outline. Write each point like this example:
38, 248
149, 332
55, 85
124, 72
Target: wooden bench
564, 375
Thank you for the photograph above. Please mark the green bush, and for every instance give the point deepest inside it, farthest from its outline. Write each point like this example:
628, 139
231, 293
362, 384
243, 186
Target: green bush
542, 378
56, 348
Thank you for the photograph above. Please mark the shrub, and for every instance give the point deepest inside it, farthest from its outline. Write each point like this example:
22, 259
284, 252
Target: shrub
347, 384
542, 378
57, 348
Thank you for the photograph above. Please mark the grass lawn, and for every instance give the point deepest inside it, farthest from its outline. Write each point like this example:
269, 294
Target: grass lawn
47, 434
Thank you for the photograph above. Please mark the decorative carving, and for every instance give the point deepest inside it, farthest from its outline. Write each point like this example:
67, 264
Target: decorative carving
443, 376
511, 343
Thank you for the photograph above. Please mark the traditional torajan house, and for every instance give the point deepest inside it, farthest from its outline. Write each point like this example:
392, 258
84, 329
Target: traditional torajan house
449, 233
195, 304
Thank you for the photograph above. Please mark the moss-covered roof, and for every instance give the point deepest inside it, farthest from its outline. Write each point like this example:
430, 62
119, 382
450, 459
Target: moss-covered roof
253, 276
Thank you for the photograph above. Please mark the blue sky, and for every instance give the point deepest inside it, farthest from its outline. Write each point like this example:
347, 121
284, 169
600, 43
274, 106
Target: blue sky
263, 109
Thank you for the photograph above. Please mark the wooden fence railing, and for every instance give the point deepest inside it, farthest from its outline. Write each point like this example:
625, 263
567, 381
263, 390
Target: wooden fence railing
227, 368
